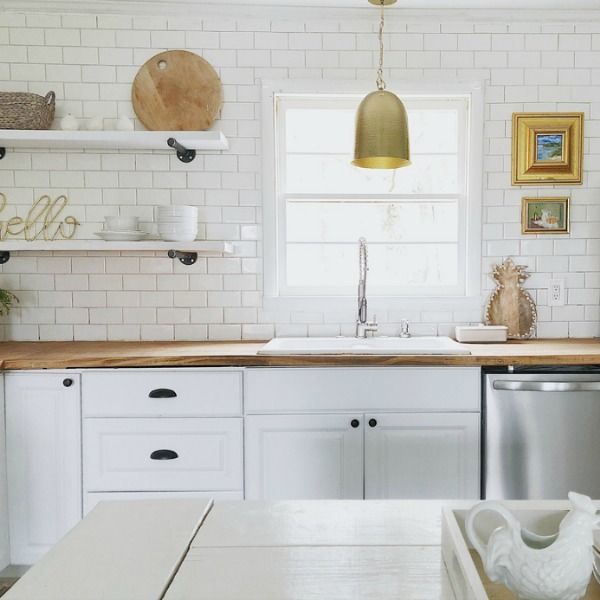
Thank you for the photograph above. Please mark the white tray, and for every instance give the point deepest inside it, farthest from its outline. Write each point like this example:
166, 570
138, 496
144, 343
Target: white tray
481, 333
464, 567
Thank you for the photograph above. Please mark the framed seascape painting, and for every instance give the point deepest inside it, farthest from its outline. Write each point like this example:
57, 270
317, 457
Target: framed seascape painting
547, 148
545, 215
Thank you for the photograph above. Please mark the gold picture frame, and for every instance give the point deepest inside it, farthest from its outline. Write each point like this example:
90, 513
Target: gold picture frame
545, 215
547, 148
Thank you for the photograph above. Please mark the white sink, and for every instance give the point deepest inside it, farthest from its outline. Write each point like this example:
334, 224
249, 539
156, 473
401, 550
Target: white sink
372, 345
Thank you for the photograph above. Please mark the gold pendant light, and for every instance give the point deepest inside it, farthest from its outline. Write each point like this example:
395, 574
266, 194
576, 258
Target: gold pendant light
381, 140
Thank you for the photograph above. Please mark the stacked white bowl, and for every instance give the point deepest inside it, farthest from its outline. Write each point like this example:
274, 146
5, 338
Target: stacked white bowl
177, 223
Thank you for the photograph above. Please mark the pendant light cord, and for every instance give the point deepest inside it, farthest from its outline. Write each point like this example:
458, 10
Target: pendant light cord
380, 81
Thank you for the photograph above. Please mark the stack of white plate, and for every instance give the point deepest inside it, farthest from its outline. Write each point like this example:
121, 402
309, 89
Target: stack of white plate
177, 223
121, 229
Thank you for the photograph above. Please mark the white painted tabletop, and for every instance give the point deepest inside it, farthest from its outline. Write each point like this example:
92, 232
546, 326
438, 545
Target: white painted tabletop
246, 550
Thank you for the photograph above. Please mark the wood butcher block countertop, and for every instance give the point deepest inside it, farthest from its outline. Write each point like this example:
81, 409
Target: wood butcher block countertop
59, 355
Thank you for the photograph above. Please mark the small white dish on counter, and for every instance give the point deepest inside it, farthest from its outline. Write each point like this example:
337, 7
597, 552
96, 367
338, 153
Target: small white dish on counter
121, 236
481, 333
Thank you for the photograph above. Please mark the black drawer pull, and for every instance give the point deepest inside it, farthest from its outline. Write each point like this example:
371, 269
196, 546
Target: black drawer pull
162, 393
164, 455
67, 382
355, 423
372, 422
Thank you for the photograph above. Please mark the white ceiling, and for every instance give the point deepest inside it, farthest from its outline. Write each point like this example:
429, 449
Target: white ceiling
541, 10
350, 4
416, 4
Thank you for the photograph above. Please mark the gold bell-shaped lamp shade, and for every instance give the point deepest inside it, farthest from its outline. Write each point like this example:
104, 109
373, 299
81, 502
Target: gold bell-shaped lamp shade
381, 140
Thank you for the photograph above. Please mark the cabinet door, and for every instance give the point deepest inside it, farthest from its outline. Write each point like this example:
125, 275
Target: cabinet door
43, 423
422, 455
4, 547
304, 456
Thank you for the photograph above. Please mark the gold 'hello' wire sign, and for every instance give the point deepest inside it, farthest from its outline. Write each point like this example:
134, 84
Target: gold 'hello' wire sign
44, 221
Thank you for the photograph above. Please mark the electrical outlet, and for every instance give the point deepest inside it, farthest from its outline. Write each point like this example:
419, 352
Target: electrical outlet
556, 292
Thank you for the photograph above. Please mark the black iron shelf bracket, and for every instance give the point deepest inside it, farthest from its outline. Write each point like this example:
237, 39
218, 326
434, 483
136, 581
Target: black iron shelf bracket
4, 256
2, 152
183, 154
185, 258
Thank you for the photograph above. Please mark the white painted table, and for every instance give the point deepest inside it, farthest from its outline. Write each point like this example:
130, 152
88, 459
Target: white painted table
246, 550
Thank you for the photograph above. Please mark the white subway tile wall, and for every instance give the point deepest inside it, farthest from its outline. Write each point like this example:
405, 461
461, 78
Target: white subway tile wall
90, 62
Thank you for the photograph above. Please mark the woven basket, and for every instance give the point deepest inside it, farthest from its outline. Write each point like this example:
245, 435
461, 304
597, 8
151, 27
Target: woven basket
21, 110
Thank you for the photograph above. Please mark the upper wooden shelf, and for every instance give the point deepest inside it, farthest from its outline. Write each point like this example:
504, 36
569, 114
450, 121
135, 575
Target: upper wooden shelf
112, 140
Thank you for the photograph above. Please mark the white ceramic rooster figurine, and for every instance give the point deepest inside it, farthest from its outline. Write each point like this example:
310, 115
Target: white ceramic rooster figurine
555, 567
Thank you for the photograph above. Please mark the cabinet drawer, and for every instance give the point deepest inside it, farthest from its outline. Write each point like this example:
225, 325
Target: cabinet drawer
314, 390
162, 454
156, 393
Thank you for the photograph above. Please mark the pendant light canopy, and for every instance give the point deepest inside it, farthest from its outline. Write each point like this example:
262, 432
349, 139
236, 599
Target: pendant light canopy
381, 140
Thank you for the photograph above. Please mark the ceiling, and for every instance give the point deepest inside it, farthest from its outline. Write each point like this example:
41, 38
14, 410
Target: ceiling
352, 4
541, 10
416, 4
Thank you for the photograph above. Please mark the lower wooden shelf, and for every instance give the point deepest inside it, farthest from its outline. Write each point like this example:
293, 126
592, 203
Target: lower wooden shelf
185, 252
200, 246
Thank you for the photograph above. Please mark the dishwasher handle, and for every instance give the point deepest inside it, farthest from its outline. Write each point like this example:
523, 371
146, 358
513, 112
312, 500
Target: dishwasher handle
546, 386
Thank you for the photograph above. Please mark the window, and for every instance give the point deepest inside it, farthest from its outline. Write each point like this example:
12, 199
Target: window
421, 222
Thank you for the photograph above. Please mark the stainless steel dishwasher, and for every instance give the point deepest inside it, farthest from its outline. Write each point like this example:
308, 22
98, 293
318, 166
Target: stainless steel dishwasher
541, 432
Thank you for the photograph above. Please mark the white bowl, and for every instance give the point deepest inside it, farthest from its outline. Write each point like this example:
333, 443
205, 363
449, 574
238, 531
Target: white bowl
177, 210
182, 217
119, 223
178, 237
176, 220
176, 226
185, 232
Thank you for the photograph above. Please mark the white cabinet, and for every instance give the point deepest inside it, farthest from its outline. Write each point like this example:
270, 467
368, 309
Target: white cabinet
422, 455
162, 433
43, 425
4, 545
362, 432
304, 456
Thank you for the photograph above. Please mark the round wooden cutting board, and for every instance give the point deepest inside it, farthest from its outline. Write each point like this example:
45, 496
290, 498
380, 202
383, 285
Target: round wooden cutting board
177, 90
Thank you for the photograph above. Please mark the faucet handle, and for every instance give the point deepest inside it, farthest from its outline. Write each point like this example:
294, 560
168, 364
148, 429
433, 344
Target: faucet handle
404, 332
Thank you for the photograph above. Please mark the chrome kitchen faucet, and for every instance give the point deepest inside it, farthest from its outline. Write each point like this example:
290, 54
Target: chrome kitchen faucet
362, 324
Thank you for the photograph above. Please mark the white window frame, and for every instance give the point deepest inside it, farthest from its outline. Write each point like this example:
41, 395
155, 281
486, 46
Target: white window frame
470, 216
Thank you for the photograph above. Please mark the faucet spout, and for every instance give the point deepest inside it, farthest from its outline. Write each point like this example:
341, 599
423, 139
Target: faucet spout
362, 323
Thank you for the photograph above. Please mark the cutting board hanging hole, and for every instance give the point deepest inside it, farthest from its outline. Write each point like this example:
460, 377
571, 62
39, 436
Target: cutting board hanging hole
162, 64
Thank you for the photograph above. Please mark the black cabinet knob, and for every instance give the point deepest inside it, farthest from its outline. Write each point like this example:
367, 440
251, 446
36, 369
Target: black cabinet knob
162, 393
355, 423
372, 422
67, 382
164, 454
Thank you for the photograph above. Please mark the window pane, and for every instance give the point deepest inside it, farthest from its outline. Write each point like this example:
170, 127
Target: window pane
392, 267
339, 221
334, 174
413, 265
319, 130
322, 265
433, 131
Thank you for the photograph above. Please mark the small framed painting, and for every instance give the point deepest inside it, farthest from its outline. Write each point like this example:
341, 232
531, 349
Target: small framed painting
547, 148
545, 215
